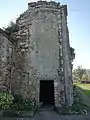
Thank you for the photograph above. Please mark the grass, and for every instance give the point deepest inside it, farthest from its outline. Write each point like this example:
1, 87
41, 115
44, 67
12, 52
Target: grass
84, 92
85, 88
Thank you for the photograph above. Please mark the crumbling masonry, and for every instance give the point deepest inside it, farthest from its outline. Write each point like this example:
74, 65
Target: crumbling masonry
41, 51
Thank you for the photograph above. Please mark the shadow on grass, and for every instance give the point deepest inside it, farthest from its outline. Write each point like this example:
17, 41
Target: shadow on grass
87, 92
83, 95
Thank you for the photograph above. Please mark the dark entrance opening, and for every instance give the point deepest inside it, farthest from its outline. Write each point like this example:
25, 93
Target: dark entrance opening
47, 92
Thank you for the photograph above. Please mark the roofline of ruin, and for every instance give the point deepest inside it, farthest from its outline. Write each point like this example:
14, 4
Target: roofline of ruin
45, 4
51, 3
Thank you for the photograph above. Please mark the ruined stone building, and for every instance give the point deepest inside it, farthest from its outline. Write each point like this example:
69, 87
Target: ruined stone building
38, 64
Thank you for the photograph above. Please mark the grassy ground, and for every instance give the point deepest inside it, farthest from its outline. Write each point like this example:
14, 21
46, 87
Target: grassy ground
84, 91
85, 88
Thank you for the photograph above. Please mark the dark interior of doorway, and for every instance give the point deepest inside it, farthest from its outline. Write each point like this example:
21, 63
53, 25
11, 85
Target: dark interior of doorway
47, 92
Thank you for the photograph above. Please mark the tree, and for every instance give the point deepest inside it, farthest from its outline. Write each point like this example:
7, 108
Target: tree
86, 77
79, 73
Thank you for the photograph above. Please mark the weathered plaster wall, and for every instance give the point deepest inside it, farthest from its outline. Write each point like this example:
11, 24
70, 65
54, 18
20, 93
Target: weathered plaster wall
4, 62
44, 39
36, 53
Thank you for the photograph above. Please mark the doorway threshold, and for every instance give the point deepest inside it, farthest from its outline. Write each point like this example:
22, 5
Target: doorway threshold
47, 107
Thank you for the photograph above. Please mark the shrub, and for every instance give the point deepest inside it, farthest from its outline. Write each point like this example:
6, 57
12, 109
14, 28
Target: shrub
78, 105
24, 105
5, 100
30, 104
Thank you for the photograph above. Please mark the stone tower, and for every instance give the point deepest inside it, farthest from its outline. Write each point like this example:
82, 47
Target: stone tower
41, 66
